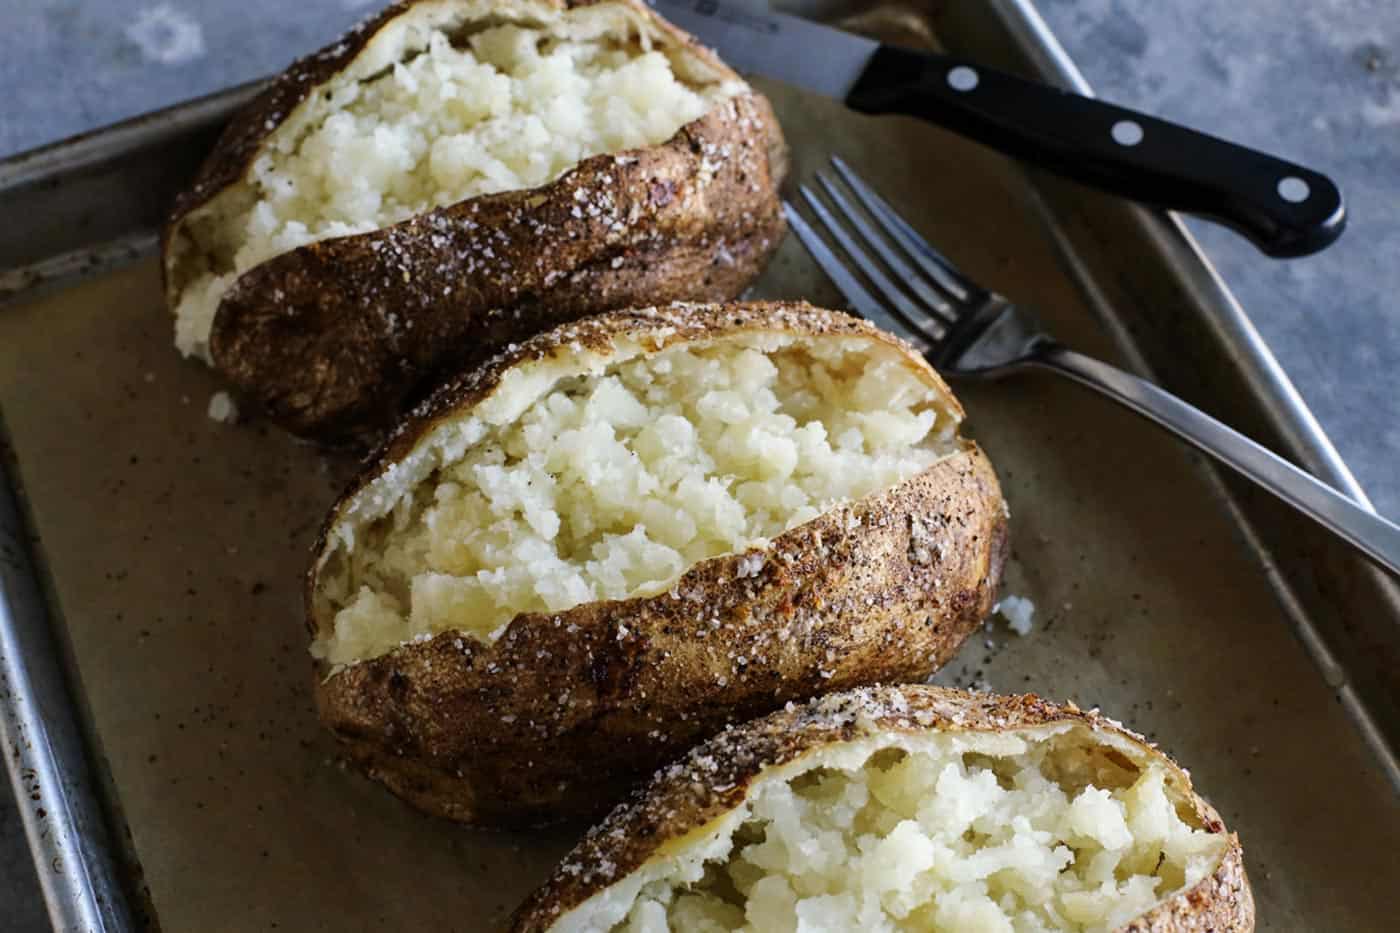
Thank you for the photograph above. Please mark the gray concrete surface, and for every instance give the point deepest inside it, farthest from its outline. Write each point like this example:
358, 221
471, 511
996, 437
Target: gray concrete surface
1316, 80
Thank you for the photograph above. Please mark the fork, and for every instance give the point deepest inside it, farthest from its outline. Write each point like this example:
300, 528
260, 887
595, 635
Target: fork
964, 329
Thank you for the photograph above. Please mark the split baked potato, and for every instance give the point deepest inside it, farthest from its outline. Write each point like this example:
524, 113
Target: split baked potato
908, 808
453, 176
615, 538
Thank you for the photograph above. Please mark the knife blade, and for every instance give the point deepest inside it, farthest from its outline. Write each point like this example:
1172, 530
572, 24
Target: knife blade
1284, 208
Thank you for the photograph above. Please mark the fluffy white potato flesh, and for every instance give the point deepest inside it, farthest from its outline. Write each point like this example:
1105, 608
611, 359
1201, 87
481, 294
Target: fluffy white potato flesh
613, 483
462, 110
1023, 832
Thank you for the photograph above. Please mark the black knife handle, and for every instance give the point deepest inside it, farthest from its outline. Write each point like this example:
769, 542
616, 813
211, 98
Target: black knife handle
1285, 209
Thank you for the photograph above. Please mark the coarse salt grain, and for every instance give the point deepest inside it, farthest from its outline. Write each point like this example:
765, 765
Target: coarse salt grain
1018, 611
222, 408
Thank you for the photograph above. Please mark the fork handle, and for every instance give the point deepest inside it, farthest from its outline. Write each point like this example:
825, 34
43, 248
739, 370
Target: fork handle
1378, 538
1283, 208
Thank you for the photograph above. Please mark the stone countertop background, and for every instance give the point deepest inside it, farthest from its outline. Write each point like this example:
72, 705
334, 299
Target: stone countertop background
1317, 81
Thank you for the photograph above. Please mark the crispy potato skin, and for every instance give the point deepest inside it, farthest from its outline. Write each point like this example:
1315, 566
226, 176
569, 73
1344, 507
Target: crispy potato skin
333, 340
716, 776
564, 712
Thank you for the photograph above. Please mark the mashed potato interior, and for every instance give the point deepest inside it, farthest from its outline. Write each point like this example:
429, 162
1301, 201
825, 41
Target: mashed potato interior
613, 485
501, 109
992, 834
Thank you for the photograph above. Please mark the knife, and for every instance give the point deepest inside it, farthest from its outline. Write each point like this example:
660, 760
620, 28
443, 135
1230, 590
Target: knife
1284, 209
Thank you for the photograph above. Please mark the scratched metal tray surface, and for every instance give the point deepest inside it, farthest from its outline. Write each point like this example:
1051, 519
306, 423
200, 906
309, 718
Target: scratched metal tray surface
154, 696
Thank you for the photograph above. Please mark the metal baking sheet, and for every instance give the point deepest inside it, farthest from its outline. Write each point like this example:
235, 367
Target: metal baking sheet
186, 785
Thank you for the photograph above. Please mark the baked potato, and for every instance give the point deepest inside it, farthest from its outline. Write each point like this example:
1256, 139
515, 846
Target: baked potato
620, 535
908, 808
453, 176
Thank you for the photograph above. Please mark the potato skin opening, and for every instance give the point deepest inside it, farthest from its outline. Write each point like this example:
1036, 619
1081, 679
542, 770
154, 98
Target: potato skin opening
674, 820
334, 339
612, 479
563, 712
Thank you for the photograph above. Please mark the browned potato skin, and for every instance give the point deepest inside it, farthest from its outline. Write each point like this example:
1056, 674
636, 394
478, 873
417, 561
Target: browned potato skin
564, 712
334, 339
715, 777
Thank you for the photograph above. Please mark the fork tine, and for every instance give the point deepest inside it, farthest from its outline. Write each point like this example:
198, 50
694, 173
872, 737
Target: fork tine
910, 278
864, 303
908, 311
930, 260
